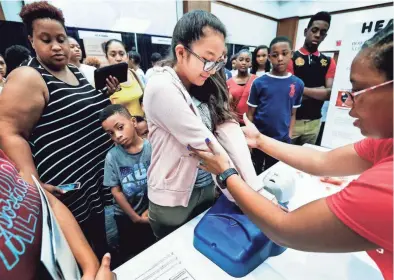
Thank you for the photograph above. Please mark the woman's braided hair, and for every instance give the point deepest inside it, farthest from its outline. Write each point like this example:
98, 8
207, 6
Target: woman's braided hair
380, 50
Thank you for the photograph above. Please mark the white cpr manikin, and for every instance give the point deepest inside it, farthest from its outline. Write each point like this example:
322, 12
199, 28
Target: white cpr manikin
280, 184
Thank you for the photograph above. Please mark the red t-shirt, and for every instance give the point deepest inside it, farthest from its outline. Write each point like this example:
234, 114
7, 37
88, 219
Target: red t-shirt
20, 224
240, 95
366, 204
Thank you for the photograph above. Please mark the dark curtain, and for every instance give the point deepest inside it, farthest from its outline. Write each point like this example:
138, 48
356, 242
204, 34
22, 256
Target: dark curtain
13, 33
129, 40
229, 55
146, 48
237, 48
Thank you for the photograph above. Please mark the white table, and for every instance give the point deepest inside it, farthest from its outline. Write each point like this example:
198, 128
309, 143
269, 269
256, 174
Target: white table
175, 258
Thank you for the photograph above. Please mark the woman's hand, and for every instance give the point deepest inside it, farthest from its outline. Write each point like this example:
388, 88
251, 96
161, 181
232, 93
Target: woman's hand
252, 134
104, 272
112, 85
56, 191
212, 160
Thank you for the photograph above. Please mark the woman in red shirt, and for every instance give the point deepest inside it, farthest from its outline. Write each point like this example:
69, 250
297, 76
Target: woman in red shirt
360, 217
239, 85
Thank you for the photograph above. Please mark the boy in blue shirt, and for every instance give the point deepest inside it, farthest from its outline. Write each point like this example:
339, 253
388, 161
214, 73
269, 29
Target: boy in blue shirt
273, 101
125, 172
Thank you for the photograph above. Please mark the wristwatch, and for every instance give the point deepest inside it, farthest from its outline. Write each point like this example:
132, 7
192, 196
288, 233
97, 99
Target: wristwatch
222, 178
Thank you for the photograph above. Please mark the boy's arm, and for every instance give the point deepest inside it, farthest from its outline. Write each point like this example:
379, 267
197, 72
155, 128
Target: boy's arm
292, 121
125, 205
320, 93
251, 112
253, 102
323, 93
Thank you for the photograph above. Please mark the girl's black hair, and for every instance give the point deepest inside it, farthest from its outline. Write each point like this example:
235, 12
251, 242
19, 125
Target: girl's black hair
139, 119
155, 57
135, 56
214, 92
380, 49
71, 37
108, 43
190, 28
255, 65
233, 57
244, 51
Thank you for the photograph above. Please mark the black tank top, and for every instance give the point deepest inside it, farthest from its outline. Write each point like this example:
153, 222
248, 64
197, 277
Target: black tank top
68, 143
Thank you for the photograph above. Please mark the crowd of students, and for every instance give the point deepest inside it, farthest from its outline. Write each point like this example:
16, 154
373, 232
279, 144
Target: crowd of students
151, 147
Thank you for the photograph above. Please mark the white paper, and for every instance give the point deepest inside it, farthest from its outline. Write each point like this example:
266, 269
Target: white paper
56, 254
168, 267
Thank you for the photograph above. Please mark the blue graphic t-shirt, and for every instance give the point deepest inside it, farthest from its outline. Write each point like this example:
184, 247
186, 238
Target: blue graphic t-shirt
129, 171
274, 98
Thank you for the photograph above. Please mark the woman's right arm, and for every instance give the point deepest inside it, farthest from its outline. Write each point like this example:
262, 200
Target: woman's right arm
21, 104
343, 161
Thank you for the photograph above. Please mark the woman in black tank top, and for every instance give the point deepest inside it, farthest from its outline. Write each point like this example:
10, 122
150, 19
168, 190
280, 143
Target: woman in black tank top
49, 123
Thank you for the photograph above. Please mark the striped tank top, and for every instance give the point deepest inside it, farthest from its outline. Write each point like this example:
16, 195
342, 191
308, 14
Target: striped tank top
68, 144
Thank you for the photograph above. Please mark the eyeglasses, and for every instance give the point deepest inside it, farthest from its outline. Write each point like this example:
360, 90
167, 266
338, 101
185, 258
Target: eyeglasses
208, 65
351, 96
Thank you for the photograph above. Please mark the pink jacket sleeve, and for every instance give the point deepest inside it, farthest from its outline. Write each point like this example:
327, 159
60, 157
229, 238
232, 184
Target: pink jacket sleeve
166, 107
232, 139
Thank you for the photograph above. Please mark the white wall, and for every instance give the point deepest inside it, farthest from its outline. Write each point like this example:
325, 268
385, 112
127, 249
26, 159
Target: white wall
283, 9
311, 7
267, 7
338, 26
11, 10
244, 28
148, 17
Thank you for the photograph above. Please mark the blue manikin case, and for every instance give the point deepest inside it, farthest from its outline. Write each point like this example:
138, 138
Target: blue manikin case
229, 239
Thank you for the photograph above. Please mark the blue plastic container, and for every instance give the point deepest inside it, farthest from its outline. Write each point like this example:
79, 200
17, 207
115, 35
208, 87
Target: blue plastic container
229, 239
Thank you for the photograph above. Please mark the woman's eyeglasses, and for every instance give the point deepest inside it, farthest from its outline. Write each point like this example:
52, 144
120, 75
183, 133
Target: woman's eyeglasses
351, 95
208, 65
